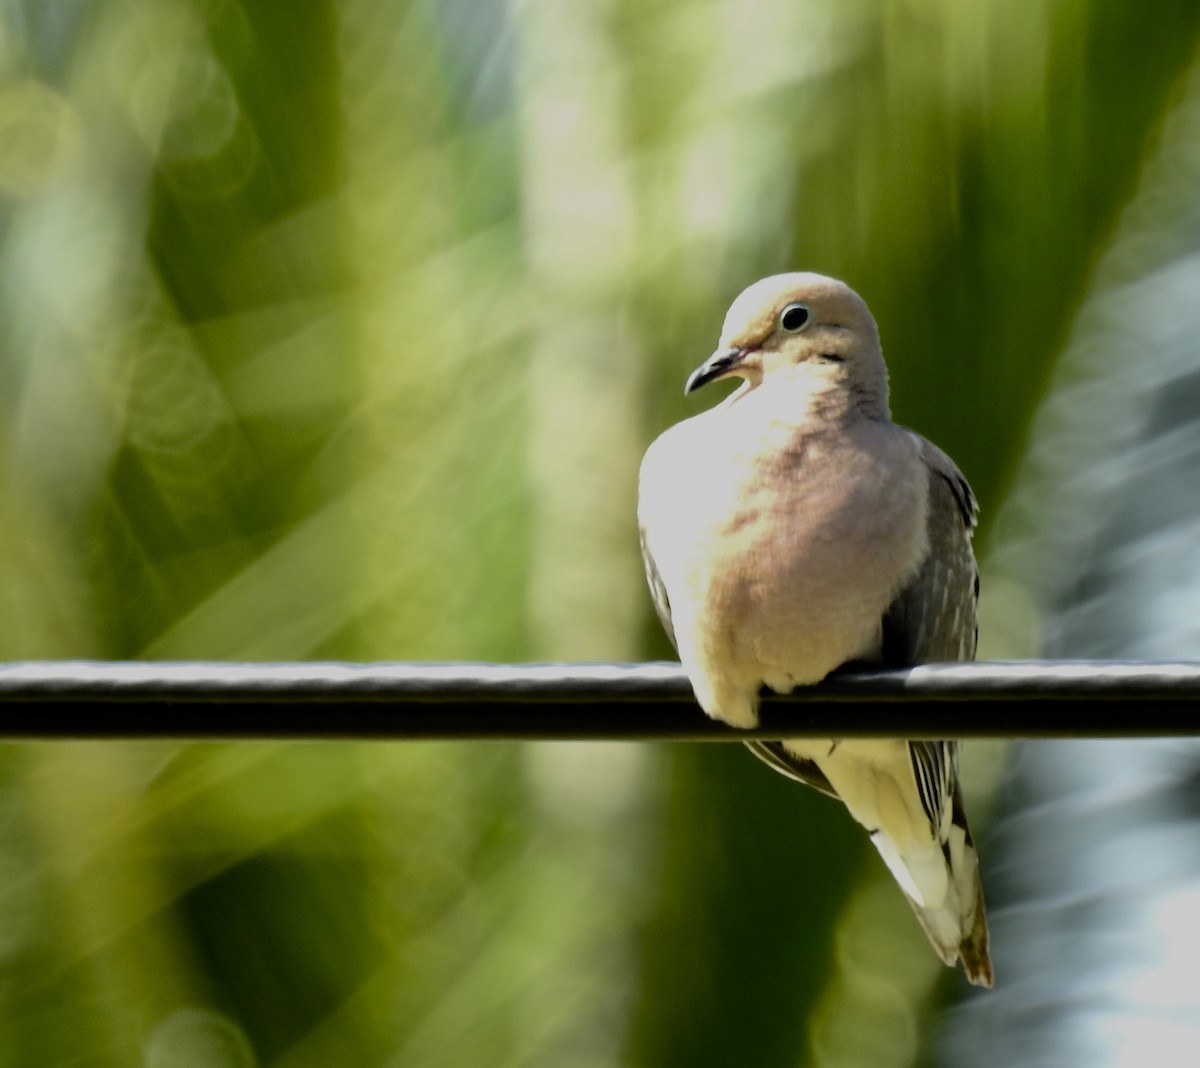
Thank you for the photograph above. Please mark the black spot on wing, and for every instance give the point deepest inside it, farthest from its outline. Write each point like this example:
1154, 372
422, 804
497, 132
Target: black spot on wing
963, 497
893, 647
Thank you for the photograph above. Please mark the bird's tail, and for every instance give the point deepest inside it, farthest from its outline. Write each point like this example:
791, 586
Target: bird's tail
942, 885
959, 933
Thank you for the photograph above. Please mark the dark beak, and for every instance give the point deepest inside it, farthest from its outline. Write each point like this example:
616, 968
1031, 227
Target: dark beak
718, 365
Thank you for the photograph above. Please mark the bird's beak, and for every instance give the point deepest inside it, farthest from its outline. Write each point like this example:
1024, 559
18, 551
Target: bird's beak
718, 365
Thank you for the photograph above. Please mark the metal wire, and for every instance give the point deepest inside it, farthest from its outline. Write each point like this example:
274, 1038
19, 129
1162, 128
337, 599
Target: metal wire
87, 699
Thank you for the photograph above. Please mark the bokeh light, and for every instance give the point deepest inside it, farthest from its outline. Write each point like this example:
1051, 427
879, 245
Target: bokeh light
337, 330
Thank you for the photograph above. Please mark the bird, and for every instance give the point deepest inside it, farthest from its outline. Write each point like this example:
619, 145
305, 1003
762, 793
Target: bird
793, 529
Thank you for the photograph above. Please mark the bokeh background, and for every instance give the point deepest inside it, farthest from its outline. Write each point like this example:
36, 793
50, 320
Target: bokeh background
337, 329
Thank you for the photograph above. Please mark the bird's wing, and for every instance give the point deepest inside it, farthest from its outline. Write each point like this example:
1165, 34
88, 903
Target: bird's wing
933, 618
658, 592
795, 767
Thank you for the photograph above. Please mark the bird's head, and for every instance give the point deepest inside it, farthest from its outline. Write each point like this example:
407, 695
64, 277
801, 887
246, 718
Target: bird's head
807, 329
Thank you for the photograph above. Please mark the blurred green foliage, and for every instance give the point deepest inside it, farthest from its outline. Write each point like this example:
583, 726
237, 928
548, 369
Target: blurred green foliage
337, 330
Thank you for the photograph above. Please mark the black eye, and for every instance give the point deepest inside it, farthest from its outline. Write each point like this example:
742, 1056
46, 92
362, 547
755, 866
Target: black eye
795, 317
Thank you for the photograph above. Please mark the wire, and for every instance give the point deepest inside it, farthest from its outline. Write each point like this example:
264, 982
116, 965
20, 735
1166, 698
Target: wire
98, 700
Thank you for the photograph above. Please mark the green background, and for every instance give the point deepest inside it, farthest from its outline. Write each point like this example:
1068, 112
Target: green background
337, 330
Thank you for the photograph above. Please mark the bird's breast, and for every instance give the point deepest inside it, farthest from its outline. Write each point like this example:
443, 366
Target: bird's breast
790, 544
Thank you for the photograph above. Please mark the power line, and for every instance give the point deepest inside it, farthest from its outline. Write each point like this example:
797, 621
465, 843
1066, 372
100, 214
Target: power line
202, 700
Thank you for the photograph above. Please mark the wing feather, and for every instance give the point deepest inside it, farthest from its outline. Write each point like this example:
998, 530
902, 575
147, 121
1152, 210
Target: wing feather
933, 618
793, 766
658, 591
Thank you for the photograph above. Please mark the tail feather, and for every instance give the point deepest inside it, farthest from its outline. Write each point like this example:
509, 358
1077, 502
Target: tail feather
955, 922
907, 796
958, 938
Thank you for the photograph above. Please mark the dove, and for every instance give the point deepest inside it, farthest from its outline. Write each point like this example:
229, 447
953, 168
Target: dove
794, 528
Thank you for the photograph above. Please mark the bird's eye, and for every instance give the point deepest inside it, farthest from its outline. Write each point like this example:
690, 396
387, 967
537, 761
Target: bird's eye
795, 317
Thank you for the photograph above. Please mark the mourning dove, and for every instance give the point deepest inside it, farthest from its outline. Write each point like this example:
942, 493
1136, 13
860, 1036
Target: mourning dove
793, 528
